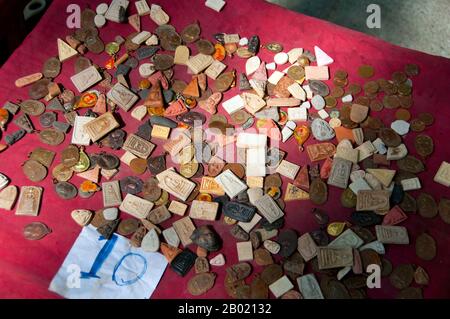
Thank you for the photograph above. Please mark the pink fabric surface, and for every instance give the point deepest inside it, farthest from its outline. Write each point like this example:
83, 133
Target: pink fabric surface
27, 267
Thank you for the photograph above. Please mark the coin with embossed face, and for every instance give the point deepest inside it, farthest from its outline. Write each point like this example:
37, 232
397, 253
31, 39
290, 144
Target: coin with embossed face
61, 173
51, 68
32, 107
215, 167
36, 231
424, 145
51, 136
296, 72
47, 119
417, 125
201, 283
426, 118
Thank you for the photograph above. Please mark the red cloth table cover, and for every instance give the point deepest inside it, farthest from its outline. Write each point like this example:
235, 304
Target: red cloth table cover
27, 267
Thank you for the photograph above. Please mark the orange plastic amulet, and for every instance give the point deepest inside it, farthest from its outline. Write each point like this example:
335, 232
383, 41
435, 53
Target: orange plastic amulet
301, 134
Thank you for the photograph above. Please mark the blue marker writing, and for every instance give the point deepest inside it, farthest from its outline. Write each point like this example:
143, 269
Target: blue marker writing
100, 259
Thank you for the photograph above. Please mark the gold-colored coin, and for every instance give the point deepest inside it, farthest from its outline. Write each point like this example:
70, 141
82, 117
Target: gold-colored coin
403, 114
371, 87
330, 101
404, 89
163, 199
340, 82
427, 118
354, 89
376, 105
303, 61
417, 125
399, 77
274, 47
189, 169
405, 101
391, 101
62, 173
341, 74
296, 73
337, 92
366, 71
363, 100
244, 53
51, 137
